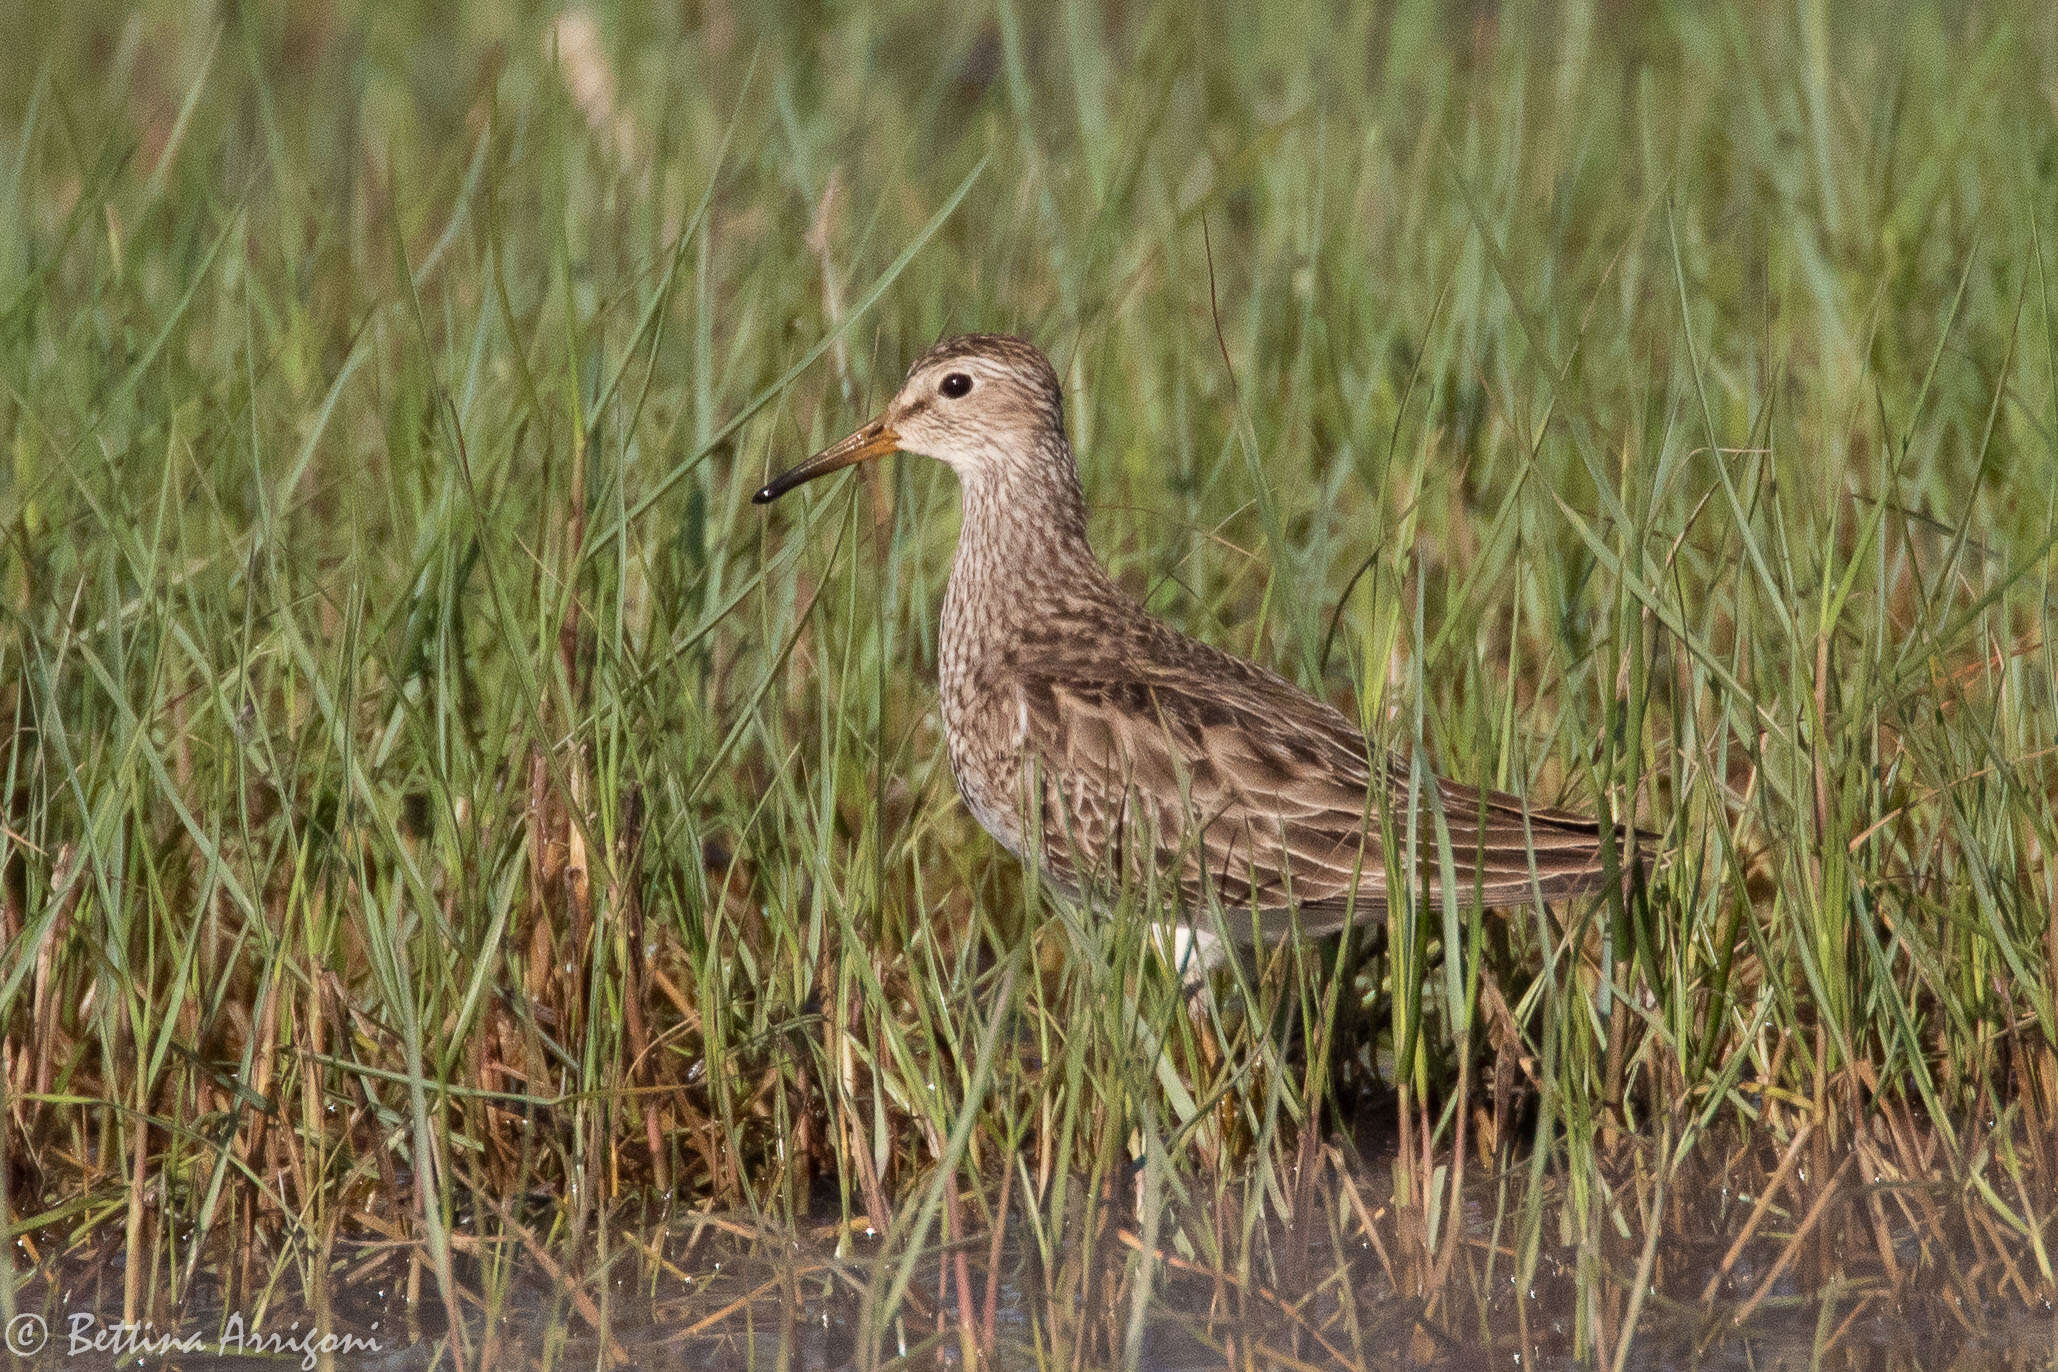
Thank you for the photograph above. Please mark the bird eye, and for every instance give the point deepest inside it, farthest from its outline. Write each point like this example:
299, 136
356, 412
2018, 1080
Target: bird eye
955, 385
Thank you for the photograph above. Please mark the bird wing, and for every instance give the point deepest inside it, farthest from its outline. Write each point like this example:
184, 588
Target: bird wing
1242, 788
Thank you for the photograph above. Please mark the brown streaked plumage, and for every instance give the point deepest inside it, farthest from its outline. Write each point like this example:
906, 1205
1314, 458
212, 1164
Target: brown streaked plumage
1090, 737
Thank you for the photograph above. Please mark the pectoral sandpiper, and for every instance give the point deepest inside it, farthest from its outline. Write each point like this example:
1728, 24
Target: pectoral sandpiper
1095, 740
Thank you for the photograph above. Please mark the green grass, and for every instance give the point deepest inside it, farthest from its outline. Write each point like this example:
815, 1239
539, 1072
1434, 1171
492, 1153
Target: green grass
440, 809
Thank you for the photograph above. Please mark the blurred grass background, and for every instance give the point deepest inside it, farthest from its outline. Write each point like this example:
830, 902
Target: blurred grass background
445, 823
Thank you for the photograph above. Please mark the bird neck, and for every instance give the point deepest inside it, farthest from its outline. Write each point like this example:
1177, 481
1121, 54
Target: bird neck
1023, 546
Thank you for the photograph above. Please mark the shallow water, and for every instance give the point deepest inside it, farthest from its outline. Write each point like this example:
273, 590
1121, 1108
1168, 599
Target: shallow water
712, 1291
729, 1297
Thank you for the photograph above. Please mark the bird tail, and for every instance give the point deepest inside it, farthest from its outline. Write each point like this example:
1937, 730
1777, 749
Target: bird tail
1508, 851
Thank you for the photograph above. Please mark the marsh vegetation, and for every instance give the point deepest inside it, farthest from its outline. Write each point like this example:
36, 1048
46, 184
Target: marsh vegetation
462, 862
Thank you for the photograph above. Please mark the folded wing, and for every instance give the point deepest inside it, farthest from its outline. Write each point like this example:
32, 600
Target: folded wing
1248, 791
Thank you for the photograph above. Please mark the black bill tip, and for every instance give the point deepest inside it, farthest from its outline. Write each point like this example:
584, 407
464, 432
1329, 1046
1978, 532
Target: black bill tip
781, 484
